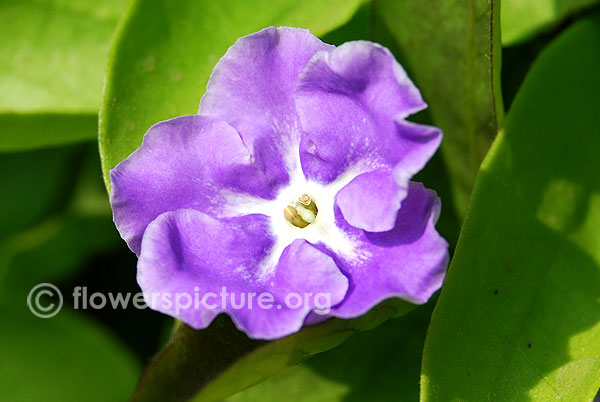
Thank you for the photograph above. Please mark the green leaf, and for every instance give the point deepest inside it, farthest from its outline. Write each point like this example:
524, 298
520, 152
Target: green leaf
519, 315
214, 363
523, 19
165, 50
89, 195
63, 358
33, 185
24, 131
54, 249
53, 53
52, 63
451, 50
62, 242
381, 364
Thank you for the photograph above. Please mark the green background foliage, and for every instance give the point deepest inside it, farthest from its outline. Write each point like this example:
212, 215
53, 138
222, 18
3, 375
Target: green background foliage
522, 19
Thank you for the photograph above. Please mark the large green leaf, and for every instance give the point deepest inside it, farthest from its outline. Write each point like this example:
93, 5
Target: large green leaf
165, 50
519, 315
52, 62
381, 364
64, 358
451, 49
522, 19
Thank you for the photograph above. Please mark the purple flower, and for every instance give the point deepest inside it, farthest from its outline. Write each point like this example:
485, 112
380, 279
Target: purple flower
294, 178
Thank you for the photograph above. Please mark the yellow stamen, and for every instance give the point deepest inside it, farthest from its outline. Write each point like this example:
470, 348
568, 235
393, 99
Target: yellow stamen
302, 213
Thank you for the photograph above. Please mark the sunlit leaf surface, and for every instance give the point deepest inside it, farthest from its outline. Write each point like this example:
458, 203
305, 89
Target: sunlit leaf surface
519, 315
52, 62
65, 358
522, 19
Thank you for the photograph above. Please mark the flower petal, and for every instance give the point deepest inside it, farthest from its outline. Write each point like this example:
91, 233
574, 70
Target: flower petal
303, 269
408, 261
352, 102
371, 201
187, 252
186, 162
252, 88
305, 280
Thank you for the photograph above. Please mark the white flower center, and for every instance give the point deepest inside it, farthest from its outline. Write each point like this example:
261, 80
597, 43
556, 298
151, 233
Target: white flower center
319, 225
